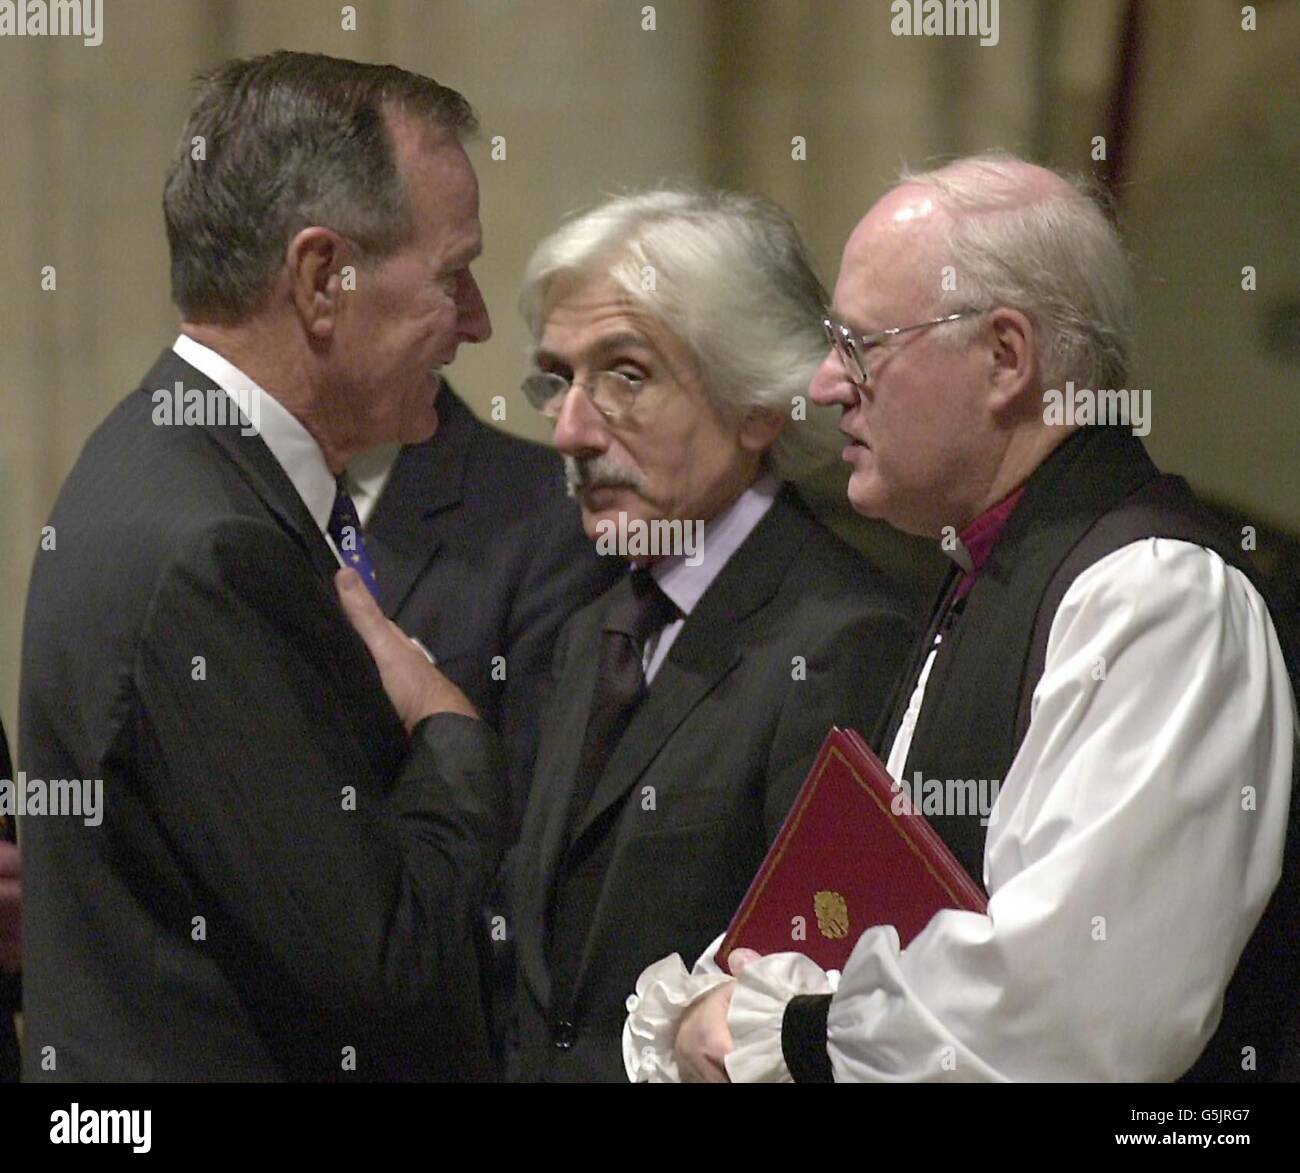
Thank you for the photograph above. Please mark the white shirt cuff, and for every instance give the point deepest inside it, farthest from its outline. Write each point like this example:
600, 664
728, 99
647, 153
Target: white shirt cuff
664, 992
757, 1010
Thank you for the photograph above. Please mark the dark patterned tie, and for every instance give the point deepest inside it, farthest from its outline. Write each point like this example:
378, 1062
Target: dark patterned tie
345, 530
638, 610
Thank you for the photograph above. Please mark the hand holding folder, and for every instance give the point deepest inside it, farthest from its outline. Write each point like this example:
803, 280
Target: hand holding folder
851, 854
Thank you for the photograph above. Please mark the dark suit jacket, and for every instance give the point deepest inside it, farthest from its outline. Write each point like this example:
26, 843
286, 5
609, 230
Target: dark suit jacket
183, 643
479, 552
702, 778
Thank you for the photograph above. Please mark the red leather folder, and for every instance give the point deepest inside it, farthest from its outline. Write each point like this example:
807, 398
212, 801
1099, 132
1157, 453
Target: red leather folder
851, 854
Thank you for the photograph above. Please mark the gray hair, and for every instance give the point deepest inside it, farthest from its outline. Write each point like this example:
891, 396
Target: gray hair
1047, 249
289, 140
727, 274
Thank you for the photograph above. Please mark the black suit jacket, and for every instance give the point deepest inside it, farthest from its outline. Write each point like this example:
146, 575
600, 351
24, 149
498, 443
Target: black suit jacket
281, 874
479, 552
702, 778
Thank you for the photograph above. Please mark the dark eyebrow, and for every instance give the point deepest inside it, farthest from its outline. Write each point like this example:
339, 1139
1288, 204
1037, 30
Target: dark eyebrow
550, 358
623, 341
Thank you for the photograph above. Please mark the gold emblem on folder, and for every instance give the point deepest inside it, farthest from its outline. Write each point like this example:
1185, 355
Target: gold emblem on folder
832, 914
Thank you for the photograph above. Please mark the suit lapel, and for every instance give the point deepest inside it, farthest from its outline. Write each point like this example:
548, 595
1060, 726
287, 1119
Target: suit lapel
255, 461
705, 651
427, 480
555, 778
684, 679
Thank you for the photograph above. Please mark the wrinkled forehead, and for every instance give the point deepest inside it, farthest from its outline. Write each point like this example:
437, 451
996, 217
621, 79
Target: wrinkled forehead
585, 314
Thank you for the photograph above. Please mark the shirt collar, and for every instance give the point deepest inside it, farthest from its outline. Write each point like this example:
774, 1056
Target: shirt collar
723, 536
290, 443
976, 541
367, 475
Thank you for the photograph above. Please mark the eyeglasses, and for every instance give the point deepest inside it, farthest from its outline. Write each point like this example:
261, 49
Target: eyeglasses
853, 348
612, 393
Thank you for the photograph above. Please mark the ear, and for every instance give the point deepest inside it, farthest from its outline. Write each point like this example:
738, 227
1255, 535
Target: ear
314, 260
759, 429
1015, 359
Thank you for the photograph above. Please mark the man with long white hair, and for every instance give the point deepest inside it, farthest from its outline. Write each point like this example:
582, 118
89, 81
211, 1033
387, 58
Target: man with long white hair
1099, 649
675, 334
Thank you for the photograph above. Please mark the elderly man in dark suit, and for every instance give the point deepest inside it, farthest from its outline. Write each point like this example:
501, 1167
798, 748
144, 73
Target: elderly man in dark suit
675, 334
299, 825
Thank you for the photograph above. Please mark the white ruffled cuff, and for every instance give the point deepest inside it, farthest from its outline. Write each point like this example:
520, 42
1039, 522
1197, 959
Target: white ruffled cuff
758, 1007
664, 992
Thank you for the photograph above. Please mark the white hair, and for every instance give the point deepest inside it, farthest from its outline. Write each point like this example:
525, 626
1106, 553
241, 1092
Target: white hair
728, 275
1039, 242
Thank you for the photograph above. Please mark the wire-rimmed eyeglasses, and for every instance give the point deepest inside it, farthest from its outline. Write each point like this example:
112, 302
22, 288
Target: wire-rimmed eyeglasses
853, 347
612, 393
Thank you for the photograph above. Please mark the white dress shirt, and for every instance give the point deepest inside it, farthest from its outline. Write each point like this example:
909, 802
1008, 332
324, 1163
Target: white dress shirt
1135, 842
366, 477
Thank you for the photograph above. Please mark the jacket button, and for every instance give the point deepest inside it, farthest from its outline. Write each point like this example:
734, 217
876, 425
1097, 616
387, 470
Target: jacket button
563, 1034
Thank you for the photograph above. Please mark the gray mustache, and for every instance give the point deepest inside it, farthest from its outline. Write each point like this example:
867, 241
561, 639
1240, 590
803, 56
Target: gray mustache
599, 472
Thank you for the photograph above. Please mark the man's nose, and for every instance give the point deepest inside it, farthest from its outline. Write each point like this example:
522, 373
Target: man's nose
474, 324
831, 384
579, 428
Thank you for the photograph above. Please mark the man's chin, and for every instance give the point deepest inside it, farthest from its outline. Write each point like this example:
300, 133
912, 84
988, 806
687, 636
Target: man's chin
867, 496
601, 509
872, 500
